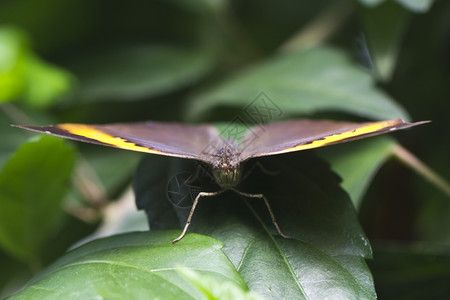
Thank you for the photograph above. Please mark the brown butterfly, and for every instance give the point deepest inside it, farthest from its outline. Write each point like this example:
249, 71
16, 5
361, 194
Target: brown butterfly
225, 156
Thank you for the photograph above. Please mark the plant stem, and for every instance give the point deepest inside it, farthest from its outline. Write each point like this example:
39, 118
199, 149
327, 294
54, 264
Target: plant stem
414, 163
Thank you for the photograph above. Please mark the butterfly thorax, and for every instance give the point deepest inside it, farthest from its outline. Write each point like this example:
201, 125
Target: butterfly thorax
226, 167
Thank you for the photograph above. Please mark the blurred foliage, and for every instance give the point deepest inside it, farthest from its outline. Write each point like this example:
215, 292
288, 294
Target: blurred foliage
96, 62
25, 76
29, 212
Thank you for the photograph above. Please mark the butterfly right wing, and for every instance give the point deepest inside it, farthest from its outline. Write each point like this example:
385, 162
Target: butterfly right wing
296, 135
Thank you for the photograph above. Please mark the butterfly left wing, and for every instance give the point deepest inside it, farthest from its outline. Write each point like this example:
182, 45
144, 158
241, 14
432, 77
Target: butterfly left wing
283, 137
168, 139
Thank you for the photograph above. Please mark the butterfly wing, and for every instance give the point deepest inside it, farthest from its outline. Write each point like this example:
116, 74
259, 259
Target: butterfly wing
169, 139
290, 136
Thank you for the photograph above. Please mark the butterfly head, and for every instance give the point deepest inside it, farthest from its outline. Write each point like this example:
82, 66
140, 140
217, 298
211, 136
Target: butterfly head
226, 167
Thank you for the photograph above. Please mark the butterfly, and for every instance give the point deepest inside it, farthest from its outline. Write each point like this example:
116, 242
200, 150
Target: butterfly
223, 153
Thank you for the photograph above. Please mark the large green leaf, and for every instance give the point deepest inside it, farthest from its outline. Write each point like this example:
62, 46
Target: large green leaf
132, 266
301, 83
32, 185
327, 252
135, 72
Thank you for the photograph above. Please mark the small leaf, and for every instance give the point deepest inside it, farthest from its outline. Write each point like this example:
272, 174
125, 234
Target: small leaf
12, 63
135, 72
132, 266
358, 162
32, 185
23, 75
302, 83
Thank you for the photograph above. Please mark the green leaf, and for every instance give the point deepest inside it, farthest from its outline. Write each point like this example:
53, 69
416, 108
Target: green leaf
358, 162
12, 63
32, 185
45, 83
302, 83
132, 266
384, 27
213, 289
129, 73
327, 252
23, 75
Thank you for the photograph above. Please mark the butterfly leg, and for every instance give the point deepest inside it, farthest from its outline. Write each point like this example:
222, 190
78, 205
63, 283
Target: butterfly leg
272, 215
191, 213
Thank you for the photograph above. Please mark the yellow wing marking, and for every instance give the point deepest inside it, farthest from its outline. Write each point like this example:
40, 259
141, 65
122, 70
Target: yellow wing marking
370, 128
102, 137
